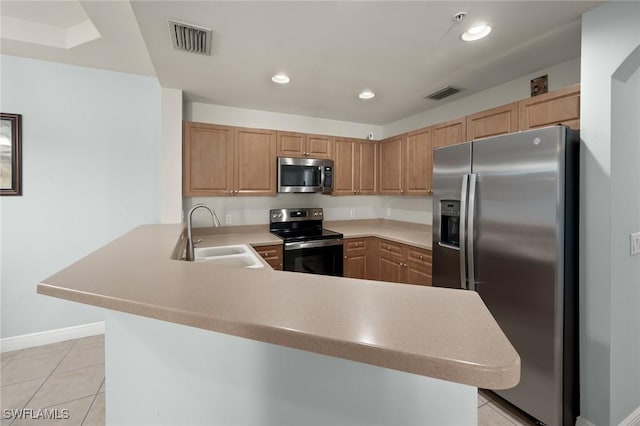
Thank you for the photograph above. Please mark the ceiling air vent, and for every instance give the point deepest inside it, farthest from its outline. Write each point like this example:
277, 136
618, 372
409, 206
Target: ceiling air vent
442, 93
190, 38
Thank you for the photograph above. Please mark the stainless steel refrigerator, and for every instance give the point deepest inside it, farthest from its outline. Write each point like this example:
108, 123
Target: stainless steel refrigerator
505, 224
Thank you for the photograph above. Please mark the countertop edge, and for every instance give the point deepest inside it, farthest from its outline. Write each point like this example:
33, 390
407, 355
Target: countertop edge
438, 368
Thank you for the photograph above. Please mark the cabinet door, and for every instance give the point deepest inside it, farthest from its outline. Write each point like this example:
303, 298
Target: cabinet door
355, 258
391, 166
492, 122
557, 107
391, 262
368, 168
291, 144
272, 254
344, 164
207, 159
255, 162
319, 146
418, 266
449, 133
418, 163
390, 268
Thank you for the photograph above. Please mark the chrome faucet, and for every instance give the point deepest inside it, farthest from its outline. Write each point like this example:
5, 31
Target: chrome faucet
190, 242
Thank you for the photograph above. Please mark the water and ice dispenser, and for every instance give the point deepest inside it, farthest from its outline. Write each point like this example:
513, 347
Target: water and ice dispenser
450, 223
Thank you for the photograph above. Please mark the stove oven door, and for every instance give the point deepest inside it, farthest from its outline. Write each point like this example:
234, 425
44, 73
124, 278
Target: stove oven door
322, 257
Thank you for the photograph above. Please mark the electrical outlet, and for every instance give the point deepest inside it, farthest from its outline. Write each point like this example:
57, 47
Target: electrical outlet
352, 213
227, 219
635, 243
388, 211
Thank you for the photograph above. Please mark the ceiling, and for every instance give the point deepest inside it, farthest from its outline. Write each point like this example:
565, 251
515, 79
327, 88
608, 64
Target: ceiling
331, 50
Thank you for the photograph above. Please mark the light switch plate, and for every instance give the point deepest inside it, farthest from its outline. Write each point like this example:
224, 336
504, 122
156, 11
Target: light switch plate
352, 213
227, 219
635, 243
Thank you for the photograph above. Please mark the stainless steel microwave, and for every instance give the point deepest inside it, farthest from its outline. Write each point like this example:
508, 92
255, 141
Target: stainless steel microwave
305, 175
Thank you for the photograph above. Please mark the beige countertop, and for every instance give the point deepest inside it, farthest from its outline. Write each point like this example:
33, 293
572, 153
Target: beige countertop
401, 232
436, 332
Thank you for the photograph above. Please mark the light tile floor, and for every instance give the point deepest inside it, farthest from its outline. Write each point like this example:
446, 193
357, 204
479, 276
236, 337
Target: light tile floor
70, 375
62, 376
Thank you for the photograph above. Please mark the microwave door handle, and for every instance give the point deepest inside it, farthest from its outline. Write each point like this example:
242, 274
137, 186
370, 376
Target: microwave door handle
463, 232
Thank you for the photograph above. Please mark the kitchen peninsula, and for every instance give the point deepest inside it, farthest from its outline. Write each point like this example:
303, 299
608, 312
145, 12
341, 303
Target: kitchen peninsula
197, 343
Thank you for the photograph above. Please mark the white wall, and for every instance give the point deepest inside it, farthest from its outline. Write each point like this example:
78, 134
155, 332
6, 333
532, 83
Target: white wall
560, 76
91, 172
609, 212
171, 175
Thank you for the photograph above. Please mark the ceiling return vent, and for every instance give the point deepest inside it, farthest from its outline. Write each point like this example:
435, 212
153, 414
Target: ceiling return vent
190, 38
442, 93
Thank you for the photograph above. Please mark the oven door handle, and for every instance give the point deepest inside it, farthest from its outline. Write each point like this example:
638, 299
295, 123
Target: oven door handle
312, 244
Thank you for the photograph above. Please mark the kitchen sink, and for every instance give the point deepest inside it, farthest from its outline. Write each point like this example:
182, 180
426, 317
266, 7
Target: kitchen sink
239, 256
220, 251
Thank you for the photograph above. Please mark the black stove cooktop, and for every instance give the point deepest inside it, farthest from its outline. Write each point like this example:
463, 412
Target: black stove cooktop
295, 225
295, 235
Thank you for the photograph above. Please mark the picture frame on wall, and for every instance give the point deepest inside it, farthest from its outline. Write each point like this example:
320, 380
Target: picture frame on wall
10, 154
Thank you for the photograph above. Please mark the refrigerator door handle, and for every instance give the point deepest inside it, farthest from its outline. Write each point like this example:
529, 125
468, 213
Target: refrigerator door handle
471, 219
463, 232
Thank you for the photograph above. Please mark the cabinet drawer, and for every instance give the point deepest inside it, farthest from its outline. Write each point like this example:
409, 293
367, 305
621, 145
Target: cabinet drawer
355, 244
390, 248
272, 254
419, 255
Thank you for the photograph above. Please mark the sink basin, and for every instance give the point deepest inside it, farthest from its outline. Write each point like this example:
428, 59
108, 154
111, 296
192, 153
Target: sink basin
220, 251
239, 256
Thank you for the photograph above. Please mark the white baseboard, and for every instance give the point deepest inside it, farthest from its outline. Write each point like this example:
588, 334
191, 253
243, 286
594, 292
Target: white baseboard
632, 419
52, 336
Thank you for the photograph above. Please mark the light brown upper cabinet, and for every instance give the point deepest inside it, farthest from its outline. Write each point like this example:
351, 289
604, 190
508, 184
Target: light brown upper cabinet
255, 162
391, 165
557, 107
418, 162
301, 145
223, 160
207, 159
406, 163
355, 171
449, 133
493, 122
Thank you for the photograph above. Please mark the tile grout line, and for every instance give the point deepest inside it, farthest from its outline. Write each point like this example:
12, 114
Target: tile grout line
51, 373
93, 401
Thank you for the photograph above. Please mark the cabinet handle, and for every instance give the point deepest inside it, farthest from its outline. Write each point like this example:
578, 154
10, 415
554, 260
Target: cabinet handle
345, 257
388, 247
402, 191
230, 192
421, 257
354, 191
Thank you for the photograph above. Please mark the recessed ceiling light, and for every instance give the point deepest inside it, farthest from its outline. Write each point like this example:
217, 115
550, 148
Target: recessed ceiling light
280, 78
366, 94
476, 32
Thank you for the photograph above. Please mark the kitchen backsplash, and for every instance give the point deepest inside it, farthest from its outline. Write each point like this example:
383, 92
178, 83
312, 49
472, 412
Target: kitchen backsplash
254, 210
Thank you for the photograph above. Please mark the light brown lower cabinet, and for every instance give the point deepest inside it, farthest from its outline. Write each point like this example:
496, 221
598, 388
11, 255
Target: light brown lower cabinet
360, 258
402, 263
272, 254
378, 259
